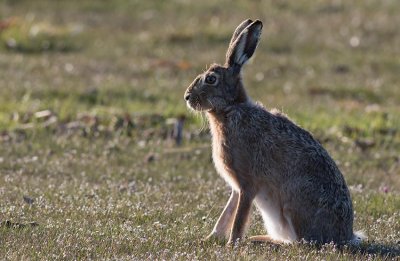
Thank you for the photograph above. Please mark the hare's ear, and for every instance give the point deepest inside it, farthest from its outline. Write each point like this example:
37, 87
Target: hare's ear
239, 29
243, 47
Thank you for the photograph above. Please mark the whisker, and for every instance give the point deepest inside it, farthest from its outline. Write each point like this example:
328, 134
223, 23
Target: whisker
203, 122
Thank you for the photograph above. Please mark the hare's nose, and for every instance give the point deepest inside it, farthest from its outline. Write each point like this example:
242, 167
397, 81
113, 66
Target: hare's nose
187, 97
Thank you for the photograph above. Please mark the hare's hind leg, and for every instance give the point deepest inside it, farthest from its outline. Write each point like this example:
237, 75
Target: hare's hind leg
224, 224
265, 239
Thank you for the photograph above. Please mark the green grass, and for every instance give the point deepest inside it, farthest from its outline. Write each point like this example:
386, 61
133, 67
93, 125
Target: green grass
105, 180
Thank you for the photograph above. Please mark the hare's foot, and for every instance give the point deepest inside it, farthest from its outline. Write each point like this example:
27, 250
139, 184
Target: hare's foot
234, 243
265, 239
215, 236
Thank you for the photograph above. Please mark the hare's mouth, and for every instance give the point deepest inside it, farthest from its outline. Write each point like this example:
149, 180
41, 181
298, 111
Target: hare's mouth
196, 104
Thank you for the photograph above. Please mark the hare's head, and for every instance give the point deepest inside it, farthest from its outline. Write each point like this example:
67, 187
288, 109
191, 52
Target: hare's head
221, 86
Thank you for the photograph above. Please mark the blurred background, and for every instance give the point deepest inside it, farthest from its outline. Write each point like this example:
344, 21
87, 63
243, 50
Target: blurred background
123, 66
105, 58
98, 85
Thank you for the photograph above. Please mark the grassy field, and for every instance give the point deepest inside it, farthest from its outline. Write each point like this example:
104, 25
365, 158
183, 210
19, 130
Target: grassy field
88, 91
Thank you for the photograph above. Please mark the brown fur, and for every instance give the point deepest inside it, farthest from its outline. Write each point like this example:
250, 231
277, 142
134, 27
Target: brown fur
267, 159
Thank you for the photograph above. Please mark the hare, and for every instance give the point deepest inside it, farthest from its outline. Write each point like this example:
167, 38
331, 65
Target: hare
267, 159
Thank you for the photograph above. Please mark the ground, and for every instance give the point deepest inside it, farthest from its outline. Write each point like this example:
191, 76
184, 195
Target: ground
89, 91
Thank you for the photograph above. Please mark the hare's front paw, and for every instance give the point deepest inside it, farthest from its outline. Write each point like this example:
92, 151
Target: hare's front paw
233, 242
214, 236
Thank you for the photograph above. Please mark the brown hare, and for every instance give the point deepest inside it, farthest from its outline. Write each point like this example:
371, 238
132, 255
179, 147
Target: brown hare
269, 160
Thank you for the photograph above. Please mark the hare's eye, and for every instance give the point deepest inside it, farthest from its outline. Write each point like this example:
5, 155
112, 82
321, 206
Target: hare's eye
211, 79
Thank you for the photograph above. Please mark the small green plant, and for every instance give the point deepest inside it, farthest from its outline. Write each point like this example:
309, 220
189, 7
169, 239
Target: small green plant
26, 36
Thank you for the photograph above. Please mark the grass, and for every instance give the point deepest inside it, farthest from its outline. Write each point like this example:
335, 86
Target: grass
87, 91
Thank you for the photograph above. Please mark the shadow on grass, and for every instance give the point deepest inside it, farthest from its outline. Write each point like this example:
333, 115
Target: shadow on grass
384, 251
378, 249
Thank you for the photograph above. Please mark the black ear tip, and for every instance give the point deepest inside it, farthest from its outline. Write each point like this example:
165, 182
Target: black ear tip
258, 23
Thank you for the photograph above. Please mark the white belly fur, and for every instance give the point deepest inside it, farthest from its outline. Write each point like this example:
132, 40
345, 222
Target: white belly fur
278, 226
